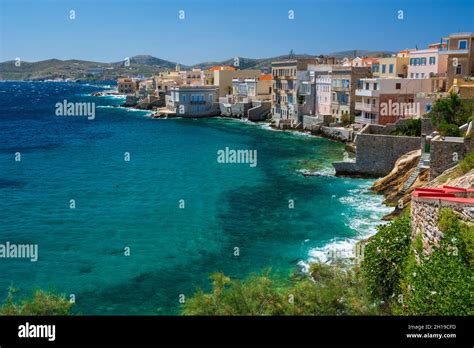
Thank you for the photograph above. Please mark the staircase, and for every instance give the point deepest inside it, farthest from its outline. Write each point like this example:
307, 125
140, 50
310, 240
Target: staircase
422, 164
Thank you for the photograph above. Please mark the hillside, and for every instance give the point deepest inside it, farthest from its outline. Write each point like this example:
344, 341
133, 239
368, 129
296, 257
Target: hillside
145, 65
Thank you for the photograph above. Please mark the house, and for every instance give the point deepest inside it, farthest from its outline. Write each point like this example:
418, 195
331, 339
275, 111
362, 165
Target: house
209, 73
248, 89
250, 98
126, 85
387, 100
323, 93
459, 49
192, 101
222, 78
391, 67
287, 75
427, 63
343, 87
193, 77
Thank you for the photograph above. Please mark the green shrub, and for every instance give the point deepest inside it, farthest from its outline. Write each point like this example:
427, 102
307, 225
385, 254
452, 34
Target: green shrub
441, 283
410, 127
467, 163
332, 291
384, 255
42, 303
450, 111
449, 129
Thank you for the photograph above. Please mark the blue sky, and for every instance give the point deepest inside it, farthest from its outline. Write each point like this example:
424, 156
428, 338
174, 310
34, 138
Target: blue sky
110, 30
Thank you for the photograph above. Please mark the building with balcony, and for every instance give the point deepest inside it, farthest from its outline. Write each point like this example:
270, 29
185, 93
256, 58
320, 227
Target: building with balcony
249, 89
250, 98
343, 87
222, 76
287, 75
323, 93
388, 100
126, 85
391, 67
459, 49
427, 63
193, 101
193, 77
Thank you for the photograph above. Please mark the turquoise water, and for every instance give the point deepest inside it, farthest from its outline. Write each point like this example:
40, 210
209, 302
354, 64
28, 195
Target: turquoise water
135, 204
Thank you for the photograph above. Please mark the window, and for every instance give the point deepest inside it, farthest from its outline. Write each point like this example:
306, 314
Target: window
183, 99
398, 85
384, 68
375, 86
422, 75
375, 68
423, 61
427, 107
458, 69
412, 61
462, 44
416, 75
412, 75
210, 98
390, 69
366, 85
432, 60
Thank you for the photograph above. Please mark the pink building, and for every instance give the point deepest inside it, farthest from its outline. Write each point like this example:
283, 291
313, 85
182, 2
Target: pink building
427, 63
323, 95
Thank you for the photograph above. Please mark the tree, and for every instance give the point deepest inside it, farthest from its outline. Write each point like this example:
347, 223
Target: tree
449, 113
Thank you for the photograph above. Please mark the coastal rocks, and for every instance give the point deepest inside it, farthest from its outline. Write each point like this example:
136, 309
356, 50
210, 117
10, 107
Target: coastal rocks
391, 185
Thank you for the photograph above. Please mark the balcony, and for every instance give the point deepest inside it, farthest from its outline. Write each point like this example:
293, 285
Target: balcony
363, 120
367, 93
367, 107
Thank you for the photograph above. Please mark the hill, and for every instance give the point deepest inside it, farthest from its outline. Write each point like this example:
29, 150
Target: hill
145, 65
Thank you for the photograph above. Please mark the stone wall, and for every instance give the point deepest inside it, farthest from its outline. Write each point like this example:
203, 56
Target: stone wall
314, 122
444, 154
376, 154
427, 126
424, 220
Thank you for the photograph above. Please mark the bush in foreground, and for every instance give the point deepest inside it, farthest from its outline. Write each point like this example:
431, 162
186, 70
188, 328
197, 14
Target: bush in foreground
42, 303
330, 291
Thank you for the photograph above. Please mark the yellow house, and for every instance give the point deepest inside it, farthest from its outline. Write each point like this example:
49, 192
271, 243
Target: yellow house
391, 67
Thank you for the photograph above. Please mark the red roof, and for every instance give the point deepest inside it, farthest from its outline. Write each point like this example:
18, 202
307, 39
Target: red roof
222, 67
265, 77
446, 193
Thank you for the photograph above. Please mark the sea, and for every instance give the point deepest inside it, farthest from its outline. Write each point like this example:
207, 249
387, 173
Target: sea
130, 213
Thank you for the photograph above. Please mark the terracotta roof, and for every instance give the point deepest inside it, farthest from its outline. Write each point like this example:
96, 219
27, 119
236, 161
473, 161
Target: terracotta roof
265, 77
222, 67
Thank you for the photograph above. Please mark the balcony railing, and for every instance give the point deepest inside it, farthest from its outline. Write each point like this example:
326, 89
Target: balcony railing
363, 120
367, 107
367, 93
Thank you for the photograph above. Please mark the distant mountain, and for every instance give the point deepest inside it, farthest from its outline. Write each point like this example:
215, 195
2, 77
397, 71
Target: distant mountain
361, 53
145, 65
146, 59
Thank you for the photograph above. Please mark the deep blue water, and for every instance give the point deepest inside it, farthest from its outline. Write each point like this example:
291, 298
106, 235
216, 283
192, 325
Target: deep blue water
135, 204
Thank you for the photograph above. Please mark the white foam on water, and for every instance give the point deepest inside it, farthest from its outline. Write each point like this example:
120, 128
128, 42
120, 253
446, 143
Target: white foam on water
367, 210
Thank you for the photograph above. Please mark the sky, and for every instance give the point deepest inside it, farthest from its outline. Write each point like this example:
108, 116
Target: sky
212, 30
